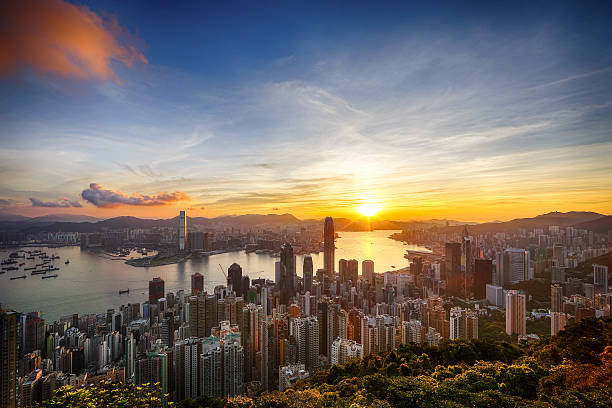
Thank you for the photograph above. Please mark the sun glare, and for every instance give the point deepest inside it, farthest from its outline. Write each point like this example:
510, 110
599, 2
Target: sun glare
368, 209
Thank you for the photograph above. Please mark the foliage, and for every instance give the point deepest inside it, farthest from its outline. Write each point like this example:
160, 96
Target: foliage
107, 394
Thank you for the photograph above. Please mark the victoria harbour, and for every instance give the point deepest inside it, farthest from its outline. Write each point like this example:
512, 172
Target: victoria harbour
91, 282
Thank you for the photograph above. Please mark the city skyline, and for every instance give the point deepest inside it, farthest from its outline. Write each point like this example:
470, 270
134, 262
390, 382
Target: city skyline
427, 112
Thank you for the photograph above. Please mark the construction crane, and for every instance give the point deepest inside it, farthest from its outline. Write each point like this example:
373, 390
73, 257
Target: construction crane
223, 271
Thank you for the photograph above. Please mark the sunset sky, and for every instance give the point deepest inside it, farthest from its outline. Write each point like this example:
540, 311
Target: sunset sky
482, 113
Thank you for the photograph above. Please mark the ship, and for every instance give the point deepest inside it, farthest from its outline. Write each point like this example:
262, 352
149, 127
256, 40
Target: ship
121, 292
18, 277
39, 272
49, 276
67, 261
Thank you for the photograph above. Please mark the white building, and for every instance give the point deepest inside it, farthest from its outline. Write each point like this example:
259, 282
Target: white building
289, 374
344, 350
495, 295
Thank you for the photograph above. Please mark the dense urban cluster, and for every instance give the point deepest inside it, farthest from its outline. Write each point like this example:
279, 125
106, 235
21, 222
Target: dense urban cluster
256, 334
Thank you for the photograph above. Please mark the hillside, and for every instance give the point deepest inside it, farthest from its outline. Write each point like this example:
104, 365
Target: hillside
600, 225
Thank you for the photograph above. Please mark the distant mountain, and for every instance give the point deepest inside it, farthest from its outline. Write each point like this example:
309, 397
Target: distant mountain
50, 218
12, 218
600, 225
541, 221
257, 219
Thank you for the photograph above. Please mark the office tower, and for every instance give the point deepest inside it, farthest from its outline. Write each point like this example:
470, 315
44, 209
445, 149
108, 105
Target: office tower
290, 374
234, 278
9, 335
558, 274
343, 270
196, 241
182, 232
483, 275
452, 269
268, 355
306, 332
307, 273
344, 350
329, 246
156, 290
516, 266
367, 270
559, 255
287, 272
197, 316
153, 369
186, 358
515, 313
600, 278
495, 295
353, 271
197, 283
556, 298
558, 320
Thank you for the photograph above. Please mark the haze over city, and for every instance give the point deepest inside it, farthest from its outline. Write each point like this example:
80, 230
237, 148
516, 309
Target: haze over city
479, 114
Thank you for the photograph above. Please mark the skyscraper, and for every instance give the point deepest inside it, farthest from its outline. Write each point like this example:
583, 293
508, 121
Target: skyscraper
197, 316
182, 232
600, 278
234, 278
452, 251
483, 275
9, 328
329, 246
515, 313
156, 290
307, 273
286, 273
306, 332
197, 283
556, 298
516, 266
367, 270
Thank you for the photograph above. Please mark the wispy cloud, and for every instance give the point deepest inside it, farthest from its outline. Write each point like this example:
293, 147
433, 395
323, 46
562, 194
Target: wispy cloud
60, 203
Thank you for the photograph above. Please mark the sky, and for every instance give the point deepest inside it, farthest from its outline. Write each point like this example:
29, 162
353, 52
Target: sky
462, 110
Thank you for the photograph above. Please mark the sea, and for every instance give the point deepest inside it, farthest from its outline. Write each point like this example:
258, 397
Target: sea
91, 281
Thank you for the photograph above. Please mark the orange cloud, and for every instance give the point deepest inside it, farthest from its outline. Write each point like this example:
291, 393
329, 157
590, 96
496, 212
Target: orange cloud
105, 198
52, 36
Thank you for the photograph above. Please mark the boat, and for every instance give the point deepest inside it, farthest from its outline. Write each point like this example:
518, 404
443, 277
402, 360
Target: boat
67, 261
121, 292
49, 276
18, 277
12, 268
21, 264
38, 272
55, 257
30, 268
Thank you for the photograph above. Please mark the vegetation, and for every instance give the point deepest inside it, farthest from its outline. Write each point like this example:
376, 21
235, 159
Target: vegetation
585, 269
106, 394
572, 369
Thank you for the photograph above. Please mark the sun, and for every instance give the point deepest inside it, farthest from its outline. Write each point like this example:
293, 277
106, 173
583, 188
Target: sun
368, 209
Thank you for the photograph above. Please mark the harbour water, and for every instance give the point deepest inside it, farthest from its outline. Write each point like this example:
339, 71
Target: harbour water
90, 283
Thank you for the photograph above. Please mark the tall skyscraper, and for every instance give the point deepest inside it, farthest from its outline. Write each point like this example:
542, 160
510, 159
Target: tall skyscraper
197, 316
367, 270
483, 275
516, 266
156, 290
9, 328
182, 231
234, 278
556, 298
306, 332
329, 246
452, 269
197, 283
287, 272
515, 313
307, 273
600, 278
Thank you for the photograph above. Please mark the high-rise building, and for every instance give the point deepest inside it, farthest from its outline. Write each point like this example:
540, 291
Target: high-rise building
367, 270
196, 241
156, 290
287, 271
600, 278
222, 366
452, 268
186, 359
483, 275
556, 298
516, 266
558, 321
197, 316
9, 329
559, 255
329, 246
153, 369
343, 350
290, 374
307, 273
234, 278
197, 283
353, 271
463, 324
306, 332
515, 313
182, 231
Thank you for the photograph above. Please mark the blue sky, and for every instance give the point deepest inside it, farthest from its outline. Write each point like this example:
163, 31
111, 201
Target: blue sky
470, 111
